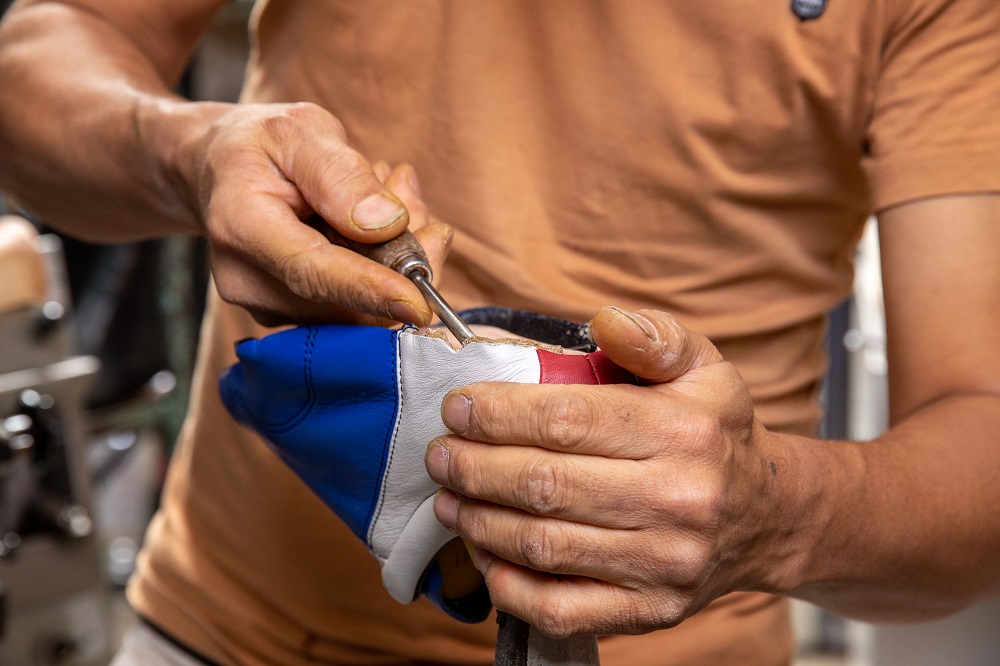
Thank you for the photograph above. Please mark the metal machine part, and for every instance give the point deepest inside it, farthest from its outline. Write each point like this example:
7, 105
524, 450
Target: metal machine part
520, 644
54, 606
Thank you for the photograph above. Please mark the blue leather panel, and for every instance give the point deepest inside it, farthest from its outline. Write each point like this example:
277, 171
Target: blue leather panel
325, 398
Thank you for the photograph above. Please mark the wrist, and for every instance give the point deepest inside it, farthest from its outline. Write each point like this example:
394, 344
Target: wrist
174, 134
796, 516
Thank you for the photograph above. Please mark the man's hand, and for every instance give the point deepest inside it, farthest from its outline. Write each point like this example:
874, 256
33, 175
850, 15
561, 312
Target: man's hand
266, 170
261, 181
651, 501
611, 509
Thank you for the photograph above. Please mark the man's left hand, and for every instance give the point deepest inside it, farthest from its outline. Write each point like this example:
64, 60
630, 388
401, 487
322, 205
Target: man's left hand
615, 508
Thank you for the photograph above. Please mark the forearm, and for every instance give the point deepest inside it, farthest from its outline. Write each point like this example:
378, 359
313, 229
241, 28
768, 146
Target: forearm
93, 139
906, 527
96, 143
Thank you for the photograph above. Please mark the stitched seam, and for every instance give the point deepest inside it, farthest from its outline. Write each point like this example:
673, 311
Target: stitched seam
307, 372
379, 500
308, 363
593, 369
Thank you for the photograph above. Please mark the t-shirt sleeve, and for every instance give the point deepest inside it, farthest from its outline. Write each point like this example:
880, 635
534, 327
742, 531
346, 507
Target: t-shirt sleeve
935, 122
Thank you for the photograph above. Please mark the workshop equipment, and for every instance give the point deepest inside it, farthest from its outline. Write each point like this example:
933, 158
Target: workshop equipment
53, 593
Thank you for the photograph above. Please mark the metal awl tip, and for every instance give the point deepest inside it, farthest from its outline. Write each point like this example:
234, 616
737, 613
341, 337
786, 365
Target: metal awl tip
448, 316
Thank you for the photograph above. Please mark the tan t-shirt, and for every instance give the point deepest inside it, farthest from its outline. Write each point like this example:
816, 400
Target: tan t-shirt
712, 159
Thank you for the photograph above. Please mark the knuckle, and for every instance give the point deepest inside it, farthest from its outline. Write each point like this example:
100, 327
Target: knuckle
551, 617
696, 505
690, 566
730, 382
223, 238
347, 169
708, 502
544, 487
542, 546
736, 395
703, 433
283, 123
305, 121
302, 277
731, 374
302, 112
640, 615
566, 419
672, 611
464, 473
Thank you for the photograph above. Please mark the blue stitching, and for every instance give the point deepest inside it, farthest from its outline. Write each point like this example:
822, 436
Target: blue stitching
307, 371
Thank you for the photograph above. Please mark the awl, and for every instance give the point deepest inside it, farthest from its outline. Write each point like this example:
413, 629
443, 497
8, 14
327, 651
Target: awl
404, 255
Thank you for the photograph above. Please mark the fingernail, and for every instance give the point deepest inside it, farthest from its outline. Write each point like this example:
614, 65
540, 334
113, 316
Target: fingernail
404, 311
437, 462
446, 508
481, 558
638, 320
376, 212
455, 412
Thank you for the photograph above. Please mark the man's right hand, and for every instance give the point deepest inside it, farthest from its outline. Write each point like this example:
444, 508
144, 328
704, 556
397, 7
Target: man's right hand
140, 162
265, 170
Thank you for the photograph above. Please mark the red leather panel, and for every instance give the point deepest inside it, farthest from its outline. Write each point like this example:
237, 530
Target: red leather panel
595, 368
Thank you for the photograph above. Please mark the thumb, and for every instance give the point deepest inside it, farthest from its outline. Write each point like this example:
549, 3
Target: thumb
337, 182
651, 344
350, 198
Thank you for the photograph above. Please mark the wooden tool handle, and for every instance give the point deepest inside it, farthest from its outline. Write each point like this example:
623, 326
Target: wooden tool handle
402, 253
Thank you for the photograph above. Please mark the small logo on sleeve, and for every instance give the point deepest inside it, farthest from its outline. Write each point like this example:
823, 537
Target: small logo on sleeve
808, 10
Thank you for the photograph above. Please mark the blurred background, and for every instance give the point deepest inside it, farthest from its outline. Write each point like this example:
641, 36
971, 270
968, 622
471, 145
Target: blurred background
96, 351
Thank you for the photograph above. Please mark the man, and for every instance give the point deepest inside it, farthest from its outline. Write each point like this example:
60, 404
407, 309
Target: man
715, 162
